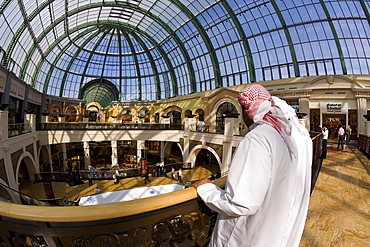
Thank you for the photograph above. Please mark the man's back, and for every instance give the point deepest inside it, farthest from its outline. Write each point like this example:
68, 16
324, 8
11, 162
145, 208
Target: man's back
264, 193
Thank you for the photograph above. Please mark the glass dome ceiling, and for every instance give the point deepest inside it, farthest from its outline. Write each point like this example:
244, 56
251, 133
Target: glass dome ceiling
164, 48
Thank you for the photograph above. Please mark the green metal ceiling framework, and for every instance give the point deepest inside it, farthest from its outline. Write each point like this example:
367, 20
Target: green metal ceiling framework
132, 29
101, 91
158, 39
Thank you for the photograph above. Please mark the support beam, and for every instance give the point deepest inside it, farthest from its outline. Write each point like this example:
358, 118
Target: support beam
39, 9
207, 42
152, 63
247, 49
288, 37
335, 35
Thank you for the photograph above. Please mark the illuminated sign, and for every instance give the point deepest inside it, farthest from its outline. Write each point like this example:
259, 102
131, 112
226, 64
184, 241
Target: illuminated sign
334, 107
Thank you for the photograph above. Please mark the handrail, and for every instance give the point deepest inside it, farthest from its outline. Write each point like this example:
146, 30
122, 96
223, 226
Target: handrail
99, 212
163, 220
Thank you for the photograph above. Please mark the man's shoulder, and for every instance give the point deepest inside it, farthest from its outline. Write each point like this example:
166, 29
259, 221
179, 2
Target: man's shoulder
262, 128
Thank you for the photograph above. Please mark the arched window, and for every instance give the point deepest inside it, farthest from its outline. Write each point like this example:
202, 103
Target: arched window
144, 113
54, 113
71, 113
175, 117
188, 113
200, 113
126, 115
225, 110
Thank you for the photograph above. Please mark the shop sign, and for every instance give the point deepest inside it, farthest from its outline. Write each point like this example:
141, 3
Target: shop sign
334, 107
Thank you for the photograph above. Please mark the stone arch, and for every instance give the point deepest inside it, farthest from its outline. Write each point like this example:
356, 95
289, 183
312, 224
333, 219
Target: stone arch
171, 108
30, 164
54, 111
200, 113
126, 114
219, 103
144, 113
167, 148
195, 150
174, 113
71, 113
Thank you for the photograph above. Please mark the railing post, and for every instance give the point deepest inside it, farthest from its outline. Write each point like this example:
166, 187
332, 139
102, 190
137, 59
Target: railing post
367, 128
4, 125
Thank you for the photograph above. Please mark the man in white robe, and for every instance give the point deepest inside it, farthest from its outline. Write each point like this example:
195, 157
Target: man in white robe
266, 196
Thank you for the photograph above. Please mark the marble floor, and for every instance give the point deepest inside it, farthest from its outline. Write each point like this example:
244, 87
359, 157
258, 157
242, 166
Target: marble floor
339, 211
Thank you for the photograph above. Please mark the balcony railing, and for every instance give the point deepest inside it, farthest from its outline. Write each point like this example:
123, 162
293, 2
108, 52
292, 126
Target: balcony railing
178, 218
19, 129
364, 144
107, 126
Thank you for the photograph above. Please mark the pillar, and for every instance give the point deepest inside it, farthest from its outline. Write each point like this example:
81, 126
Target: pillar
87, 155
140, 151
162, 150
367, 128
226, 145
62, 119
185, 155
3, 125
361, 111
30, 122
114, 153
45, 118
64, 150
304, 107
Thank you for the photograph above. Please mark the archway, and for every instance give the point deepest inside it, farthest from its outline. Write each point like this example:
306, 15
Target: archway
126, 115
71, 113
174, 113
195, 151
173, 153
26, 169
225, 110
144, 114
55, 110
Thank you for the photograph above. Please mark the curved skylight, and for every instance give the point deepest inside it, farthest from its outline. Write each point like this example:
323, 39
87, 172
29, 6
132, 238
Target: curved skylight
164, 48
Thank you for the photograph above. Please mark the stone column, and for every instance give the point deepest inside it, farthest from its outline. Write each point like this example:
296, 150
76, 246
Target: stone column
45, 118
3, 125
162, 151
367, 128
304, 107
114, 153
227, 147
30, 122
87, 154
65, 157
140, 150
62, 119
185, 155
361, 111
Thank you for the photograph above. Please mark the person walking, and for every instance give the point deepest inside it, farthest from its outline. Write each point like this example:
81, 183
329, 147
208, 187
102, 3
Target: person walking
89, 177
173, 173
146, 175
179, 174
341, 136
325, 135
266, 196
348, 134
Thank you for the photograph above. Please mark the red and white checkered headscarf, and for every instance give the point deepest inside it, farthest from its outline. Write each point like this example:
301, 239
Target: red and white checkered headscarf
263, 108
